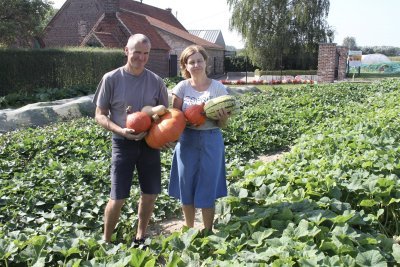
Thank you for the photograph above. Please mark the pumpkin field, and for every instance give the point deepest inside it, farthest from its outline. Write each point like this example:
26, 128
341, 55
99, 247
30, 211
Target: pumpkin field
332, 199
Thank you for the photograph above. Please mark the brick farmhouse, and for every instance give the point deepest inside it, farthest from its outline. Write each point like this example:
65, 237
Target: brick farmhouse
109, 23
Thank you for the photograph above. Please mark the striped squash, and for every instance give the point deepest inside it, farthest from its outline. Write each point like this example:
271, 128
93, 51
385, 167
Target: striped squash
227, 102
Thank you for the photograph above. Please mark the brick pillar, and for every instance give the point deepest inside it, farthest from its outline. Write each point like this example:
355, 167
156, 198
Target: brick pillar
343, 53
326, 62
111, 7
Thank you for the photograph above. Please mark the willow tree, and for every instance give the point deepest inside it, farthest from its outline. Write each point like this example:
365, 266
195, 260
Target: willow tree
282, 33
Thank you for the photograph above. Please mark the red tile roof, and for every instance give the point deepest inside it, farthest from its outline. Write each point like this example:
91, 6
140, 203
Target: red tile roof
136, 23
155, 12
135, 17
183, 34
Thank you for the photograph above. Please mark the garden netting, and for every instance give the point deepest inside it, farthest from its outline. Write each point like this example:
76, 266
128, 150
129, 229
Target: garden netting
387, 68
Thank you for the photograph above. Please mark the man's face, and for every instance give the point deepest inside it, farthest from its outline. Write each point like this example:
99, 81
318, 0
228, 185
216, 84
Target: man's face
138, 56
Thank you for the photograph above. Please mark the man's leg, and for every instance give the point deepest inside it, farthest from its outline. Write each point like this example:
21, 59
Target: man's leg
146, 207
208, 217
189, 213
111, 216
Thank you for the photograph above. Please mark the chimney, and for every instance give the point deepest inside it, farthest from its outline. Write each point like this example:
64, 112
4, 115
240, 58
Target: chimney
169, 9
111, 7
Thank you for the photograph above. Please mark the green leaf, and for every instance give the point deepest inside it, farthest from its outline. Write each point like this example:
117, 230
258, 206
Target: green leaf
327, 245
138, 257
394, 200
258, 237
243, 193
371, 258
39, 262
305, 229
279, 225
285, 215
7, 249
124, 261
368, 203
343, 218
396, 252
173, 259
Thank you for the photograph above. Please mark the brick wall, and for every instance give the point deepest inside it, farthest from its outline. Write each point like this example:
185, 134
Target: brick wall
111, 7
343, 52
215, 64
331, 58
326, 62
158, 62
77, 16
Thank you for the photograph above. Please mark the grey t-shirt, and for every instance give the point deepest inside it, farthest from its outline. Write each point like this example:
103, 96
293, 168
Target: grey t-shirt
119, 89
191, 96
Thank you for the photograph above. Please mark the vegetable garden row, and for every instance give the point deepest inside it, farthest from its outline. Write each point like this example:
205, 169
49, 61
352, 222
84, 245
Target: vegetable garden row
333, 199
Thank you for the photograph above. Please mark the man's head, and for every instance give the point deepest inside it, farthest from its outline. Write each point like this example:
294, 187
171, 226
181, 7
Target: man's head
137, 50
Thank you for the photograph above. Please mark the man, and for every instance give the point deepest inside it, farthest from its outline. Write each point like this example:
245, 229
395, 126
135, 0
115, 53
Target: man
130, 85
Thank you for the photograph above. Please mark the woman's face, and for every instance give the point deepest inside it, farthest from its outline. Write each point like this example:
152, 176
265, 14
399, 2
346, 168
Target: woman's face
196, 64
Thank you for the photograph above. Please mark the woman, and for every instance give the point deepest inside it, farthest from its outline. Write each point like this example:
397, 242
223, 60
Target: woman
198, 175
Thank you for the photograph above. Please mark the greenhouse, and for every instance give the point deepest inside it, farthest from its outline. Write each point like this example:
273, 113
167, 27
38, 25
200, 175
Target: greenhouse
378, 63
374, 58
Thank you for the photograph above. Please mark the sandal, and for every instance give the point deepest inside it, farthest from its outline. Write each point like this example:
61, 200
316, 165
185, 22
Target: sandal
139, 243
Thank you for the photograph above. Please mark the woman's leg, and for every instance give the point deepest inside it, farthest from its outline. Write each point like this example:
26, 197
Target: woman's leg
189, 212
208, 217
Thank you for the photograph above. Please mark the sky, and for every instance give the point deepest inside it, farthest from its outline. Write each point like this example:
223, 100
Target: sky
370, 22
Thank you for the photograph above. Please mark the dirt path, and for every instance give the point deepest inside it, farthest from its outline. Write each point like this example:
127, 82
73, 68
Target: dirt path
170, 226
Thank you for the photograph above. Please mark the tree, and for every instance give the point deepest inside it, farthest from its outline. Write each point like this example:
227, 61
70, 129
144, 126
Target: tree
21, 20
282, 33
350, 42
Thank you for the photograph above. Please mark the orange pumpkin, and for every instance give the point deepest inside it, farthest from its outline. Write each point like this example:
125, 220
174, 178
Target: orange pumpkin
195, 114
138, 121
167, 129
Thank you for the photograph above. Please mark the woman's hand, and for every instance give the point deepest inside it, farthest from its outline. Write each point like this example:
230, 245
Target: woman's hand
222, 116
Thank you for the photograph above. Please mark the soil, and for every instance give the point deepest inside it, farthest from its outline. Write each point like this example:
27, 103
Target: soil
271, 157
172, 225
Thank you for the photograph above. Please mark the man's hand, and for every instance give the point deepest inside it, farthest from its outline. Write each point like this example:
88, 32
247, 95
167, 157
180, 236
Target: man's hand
131, 135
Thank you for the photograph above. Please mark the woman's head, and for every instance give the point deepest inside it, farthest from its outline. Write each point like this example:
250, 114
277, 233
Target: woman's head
186, 54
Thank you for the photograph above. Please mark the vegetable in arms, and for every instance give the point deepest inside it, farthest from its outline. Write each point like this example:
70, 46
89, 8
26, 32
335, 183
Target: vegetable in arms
227, 102
195, 114
157, 110
138, 121
166, 129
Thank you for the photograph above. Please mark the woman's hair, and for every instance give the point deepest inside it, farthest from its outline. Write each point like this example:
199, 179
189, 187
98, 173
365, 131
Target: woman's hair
189, 51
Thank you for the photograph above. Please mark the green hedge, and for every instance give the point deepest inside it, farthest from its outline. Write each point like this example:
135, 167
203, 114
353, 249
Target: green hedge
29, 69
